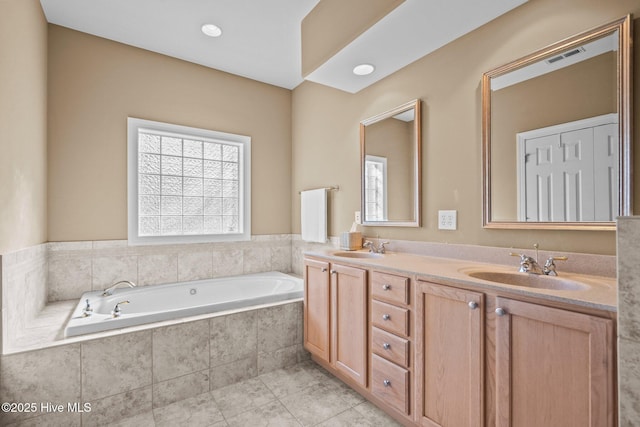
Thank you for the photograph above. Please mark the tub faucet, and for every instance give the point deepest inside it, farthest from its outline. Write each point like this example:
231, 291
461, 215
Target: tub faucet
109, 291
116, 310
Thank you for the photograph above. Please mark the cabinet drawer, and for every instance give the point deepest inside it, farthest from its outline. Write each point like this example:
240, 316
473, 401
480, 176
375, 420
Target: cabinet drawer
390, 317
390, 288
390, 383
390, 346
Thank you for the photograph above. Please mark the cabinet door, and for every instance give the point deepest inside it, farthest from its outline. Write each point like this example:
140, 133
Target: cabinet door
349, 315
449, 360
554, 368
317, 320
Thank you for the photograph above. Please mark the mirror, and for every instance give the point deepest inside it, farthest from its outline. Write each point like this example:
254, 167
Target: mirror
557, 135
390, 167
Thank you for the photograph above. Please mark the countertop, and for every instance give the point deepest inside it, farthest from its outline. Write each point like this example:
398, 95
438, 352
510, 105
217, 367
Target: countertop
600, 293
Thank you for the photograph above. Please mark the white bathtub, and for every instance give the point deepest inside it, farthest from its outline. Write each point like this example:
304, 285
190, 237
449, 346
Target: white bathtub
173, 301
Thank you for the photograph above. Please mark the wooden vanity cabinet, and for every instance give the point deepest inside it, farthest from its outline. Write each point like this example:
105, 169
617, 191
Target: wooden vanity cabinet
553, 367
317, 308
349, 322
449, 360
335, 317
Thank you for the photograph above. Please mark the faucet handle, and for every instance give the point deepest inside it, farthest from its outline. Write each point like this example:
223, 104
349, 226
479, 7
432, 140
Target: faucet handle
550, 266
116, 310
368, 244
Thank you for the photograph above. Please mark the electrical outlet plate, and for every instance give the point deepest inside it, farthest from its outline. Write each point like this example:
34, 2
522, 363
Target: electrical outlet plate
447, 220
358, 218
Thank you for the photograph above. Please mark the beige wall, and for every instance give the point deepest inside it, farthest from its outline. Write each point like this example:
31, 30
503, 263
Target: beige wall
333, 24
23, 124
325, 127
95, 84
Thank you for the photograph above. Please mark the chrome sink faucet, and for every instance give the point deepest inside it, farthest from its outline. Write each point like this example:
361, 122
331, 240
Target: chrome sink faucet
530, 265
109, 291
380, 249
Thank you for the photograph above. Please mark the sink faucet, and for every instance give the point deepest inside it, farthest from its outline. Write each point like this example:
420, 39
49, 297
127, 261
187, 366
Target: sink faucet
109, 291
372, 247
530, 265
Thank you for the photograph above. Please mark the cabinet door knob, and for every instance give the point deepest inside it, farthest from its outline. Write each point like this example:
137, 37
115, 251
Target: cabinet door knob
386, 317
500, 311
333, 272
324, 269
386, 383
386, 287
386, 346
473, 305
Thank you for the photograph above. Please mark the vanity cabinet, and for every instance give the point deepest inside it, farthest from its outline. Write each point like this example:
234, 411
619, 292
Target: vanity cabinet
438, 352
391, 340
317, 308
553, 367
349, 322
335, 317
450, 350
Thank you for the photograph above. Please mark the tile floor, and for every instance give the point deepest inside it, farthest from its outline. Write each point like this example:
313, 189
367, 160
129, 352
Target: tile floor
302, 395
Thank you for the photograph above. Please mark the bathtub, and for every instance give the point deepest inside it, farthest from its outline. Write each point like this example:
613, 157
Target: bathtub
177, 300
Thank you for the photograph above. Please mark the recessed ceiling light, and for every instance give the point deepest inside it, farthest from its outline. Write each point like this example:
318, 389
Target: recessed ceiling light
212, 30
363, 69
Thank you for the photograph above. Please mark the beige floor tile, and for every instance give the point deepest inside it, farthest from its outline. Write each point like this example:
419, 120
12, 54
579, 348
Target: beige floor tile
270, 415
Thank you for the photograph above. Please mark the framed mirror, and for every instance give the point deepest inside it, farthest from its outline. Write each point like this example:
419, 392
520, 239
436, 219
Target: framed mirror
390, 167
557, 134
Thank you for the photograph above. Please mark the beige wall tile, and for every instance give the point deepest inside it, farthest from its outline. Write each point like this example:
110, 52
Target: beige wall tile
227, 262
50, 375
180, 349
195, 266
157, 269
256, 260
233, 337
117, 407
173, 390
115, 365
107, 270
69, 277
231, 373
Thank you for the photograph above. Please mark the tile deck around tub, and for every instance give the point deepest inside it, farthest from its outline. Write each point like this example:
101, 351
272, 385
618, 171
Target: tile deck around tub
302, 395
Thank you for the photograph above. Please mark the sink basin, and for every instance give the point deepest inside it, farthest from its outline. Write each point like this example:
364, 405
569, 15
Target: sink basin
529, 280
358, 255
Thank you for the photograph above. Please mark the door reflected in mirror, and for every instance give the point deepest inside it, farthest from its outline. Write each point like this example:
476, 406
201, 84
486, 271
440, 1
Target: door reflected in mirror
390, 165
556, 136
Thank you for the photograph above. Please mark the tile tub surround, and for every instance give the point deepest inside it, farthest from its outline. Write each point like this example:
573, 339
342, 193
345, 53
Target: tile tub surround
628, 321
132, 373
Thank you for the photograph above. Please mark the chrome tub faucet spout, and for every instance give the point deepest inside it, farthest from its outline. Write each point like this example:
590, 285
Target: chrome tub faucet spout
109, 291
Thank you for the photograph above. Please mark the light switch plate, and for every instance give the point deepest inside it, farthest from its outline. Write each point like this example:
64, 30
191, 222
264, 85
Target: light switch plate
358, 218
447, 220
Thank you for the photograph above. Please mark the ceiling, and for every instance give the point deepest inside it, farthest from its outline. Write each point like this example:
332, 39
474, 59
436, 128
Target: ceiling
261, 39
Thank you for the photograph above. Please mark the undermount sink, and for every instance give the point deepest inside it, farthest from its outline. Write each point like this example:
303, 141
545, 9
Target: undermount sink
529, 280
358, 255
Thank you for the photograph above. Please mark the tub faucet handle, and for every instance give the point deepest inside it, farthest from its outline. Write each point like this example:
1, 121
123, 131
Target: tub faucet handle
116, 310
87, 310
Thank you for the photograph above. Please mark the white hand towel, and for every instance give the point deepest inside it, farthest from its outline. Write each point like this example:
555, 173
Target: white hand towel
314, 215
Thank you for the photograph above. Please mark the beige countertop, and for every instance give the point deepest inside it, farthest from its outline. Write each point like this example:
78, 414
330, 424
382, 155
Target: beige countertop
598, 293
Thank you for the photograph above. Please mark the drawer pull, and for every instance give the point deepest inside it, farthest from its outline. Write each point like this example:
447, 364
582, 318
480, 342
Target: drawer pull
333, 272
386, 287
500, 311
386, 346
473, 305
324, 269
386, 317
386, 383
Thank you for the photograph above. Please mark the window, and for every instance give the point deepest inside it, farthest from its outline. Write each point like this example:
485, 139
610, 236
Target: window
187, 184
376, 188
